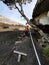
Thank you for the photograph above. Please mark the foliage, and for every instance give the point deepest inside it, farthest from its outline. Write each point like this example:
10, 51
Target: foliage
46, 52
17, 1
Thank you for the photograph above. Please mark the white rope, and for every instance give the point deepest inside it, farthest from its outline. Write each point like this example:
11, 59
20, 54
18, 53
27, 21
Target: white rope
35, 48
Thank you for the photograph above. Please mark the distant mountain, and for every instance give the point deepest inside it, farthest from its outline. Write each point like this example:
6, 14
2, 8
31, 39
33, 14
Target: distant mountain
4, 20
8, 25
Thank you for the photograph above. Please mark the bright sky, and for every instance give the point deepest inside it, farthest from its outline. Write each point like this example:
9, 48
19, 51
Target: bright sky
14, 14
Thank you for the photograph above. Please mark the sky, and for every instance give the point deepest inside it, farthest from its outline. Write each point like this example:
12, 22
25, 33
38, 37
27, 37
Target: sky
14, 14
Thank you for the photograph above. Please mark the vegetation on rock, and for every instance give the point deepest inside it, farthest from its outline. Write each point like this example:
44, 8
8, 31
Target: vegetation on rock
46, 52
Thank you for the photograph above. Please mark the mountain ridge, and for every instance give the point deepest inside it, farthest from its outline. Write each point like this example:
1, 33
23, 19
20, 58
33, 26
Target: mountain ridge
8, 21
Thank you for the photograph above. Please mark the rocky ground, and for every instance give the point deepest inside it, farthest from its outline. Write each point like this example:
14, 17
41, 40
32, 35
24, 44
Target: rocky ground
8, 42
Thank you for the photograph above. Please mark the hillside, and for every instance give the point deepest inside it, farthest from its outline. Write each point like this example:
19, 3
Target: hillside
7, 21
6, 24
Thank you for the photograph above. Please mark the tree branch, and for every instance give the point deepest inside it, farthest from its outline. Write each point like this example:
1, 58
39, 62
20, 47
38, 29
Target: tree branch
22, 14
28, 21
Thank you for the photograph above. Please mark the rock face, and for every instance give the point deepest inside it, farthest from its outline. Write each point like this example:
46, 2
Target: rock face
38, 1
40, 14
40, 7
44, 28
